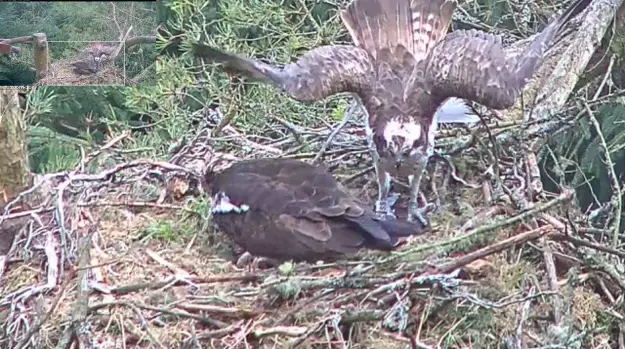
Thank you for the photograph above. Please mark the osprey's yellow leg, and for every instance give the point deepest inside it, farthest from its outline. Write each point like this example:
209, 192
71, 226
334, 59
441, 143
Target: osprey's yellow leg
384, 204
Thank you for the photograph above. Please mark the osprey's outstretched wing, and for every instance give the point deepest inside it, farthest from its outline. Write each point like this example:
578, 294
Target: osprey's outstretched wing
319, 73
473, 65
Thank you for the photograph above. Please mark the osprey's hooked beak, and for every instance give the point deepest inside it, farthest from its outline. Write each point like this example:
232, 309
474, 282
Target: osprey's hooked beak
399, 159
401, 150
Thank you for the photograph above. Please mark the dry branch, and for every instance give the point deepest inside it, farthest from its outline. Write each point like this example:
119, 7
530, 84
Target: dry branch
494, 248
556, 87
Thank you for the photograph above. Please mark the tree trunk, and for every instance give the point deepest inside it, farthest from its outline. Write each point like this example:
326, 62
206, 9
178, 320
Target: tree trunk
14, 170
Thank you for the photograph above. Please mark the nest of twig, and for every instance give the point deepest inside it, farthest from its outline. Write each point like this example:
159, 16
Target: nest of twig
61, 74
126, 257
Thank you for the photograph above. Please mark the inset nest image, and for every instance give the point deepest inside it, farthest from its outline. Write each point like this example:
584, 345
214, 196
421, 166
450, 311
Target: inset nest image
93, 65
77, 43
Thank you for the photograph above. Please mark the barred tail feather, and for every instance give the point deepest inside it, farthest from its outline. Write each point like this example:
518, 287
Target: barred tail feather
431, 20
379, 24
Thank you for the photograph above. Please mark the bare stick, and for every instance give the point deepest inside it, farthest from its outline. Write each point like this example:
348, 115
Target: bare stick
352, 109
494, 248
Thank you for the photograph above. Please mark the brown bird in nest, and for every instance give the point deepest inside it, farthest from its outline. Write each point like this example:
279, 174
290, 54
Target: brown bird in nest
84, 68
286, 209
409, 74
99, 52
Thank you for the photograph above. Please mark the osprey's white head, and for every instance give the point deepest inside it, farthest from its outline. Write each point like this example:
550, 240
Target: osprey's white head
400, 136
409, 141
401, 141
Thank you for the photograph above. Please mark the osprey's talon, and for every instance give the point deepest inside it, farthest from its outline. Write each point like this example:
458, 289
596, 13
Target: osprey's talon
416, 213
391, 200
383, 210
244, 260
248, 261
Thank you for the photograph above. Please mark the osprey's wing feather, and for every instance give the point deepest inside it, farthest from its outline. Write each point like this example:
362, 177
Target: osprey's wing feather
319, 73
377, 25
473, 65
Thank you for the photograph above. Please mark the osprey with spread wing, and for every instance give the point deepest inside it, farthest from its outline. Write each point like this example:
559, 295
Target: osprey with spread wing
287, 209
408, 72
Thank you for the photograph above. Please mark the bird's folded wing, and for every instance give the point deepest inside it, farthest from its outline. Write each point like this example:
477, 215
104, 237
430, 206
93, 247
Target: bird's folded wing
318, 230
331, 226
319, 73
286, 204
340, 205
317, 216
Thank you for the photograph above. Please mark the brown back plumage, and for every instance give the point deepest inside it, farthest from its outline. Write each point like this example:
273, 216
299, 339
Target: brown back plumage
298, 211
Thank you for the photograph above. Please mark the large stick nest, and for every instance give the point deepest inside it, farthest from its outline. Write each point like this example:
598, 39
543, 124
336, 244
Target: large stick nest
61, 73
126, 256
126, 262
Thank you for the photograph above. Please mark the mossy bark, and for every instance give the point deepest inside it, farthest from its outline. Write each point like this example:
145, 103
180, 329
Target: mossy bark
42, 56
14, 170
